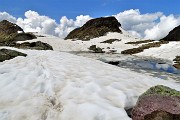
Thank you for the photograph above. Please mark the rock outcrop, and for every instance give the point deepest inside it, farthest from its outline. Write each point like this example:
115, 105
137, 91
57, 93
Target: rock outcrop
6, 54
96, 49
34, 45
95, 28
10, 32
158, 103
7, 27
177, 62
173, 35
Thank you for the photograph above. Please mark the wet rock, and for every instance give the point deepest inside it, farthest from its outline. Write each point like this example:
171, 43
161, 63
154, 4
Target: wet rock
96, 49
113, 62
95, 28
174, 35
6, 54
34, 45
158, 103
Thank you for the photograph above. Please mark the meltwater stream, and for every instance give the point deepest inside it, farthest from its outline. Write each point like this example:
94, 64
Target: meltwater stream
151, 66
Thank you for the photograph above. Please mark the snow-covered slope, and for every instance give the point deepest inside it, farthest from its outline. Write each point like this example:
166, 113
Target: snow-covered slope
166, 51
78, 45
51, 85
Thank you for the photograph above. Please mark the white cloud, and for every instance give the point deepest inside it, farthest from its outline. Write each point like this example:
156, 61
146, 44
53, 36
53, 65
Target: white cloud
161, 29
7, 16
34, 22
67, 25
149, 26
135, 22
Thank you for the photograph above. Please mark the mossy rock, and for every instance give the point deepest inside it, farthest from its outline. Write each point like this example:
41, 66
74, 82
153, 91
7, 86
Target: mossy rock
34, 45
161, 90
6, 54
158, 103
24, 36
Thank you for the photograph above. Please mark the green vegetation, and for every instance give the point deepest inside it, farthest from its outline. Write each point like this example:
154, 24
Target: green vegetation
162, 90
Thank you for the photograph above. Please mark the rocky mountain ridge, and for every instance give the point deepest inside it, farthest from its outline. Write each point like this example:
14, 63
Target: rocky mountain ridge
95, 28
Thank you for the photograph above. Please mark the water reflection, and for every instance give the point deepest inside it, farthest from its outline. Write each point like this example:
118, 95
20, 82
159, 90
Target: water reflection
150, 66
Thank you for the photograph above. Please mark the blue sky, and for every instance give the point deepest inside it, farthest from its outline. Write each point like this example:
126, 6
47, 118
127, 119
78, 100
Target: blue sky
95, 8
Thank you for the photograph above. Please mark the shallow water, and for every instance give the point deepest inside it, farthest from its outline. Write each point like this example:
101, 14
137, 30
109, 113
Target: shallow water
151, 66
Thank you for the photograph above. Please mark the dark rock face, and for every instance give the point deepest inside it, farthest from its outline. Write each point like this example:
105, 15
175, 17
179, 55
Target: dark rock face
7, 27
95, 28
9, 33
24, 36
177, 62
96, 49
158, 103
173, 35
34, 45
6, 54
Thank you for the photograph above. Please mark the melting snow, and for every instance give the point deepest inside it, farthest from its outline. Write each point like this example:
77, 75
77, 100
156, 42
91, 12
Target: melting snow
52, 85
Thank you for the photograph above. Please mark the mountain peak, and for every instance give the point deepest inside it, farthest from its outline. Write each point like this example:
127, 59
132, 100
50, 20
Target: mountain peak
95, 28
174, 35
7, 27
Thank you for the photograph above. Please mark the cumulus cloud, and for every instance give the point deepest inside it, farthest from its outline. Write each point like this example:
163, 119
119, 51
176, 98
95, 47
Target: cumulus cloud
161, 29
148, 26
34, 22
7, 16
67, 25
135, 22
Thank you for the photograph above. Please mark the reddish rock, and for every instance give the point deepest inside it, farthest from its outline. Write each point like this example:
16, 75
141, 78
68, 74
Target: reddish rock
158, 103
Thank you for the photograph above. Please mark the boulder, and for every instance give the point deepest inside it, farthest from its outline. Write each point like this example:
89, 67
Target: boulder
34, 45
158, 103
95, 28
6, 54
174, 35
24, 36
177, 62
96, 49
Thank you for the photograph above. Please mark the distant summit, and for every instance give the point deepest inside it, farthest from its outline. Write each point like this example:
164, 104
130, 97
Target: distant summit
95, 28
174, 35
7, 27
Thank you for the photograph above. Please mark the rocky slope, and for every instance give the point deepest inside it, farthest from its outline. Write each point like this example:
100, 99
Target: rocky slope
95, 28
174, 35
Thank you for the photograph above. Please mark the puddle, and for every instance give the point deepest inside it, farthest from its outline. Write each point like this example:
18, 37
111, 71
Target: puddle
150, 66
